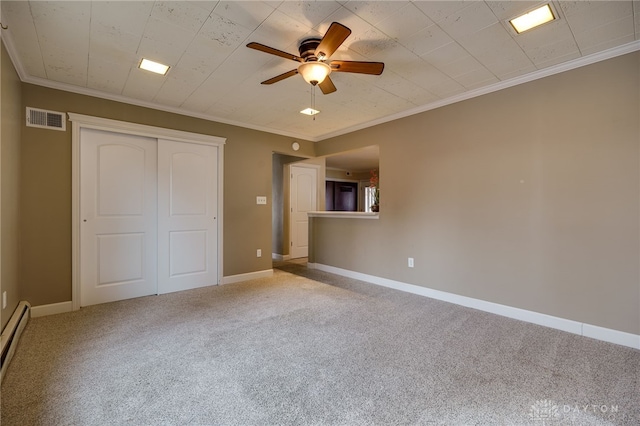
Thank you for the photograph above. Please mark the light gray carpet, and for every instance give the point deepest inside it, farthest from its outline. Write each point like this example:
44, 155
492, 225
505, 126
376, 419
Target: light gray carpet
316, 350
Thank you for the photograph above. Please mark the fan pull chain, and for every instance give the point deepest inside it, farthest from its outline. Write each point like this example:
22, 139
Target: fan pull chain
313, 100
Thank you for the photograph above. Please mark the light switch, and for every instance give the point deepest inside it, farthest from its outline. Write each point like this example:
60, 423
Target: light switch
261, 200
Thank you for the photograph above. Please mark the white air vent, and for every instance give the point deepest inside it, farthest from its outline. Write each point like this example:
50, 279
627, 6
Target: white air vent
46, 119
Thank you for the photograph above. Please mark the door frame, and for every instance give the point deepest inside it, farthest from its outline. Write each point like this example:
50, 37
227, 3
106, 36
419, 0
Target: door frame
80, 121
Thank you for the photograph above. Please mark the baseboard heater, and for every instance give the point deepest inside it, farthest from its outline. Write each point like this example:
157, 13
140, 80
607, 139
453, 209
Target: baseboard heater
11, 335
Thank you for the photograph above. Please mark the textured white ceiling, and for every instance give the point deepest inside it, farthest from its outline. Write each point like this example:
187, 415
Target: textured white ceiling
435, 52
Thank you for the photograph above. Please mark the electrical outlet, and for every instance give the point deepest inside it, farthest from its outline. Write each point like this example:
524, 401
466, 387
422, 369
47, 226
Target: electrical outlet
259, 253
410, 262
4, 299
261, 199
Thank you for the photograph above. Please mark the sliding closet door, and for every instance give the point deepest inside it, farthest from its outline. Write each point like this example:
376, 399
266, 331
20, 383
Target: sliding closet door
118, 175
187, 215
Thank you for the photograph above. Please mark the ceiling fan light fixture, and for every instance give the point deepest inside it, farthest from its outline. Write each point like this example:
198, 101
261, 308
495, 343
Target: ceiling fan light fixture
314, 72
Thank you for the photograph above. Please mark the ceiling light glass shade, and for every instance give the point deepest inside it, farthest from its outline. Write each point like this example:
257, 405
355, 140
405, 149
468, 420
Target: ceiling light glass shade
314, 72
532, 19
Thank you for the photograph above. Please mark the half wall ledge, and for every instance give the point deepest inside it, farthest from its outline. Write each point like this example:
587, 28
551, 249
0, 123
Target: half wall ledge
344, 215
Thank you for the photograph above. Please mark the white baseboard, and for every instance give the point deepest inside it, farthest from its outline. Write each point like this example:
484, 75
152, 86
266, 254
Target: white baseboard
611, 336
58, 308
248, 276
280, 257
52, 309
571, 326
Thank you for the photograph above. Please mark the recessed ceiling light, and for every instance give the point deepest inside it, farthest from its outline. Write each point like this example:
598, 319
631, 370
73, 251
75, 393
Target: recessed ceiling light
154, 66
309, 111
532, 19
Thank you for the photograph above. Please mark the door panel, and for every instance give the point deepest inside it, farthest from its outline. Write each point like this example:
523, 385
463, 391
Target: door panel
187, 188
121, 258
188, 251
303, 200
187, 216
118, 216
120, 180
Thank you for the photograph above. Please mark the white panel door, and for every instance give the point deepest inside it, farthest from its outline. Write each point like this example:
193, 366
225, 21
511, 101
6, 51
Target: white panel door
304, 199
187, 215
118, 216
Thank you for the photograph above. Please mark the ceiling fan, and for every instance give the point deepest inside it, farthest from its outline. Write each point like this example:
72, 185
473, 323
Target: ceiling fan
314, 64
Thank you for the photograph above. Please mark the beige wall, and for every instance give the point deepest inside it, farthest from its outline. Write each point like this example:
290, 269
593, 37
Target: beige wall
11, 118
527, 197
46, 189
337, 174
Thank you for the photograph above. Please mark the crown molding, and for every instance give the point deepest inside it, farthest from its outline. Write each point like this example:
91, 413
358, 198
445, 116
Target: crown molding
38, 81
536, 75
7, 40
146, 104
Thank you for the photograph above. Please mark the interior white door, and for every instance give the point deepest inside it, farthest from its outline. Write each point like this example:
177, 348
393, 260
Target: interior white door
187, 215
118, 216
304, 199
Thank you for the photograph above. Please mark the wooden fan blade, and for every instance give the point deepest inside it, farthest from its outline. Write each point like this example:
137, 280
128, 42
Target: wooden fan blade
374, 68
327, 86
281, 77
333, 38
271, 50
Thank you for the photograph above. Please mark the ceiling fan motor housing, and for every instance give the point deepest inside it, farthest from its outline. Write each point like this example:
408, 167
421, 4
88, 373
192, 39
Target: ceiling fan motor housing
308, 48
